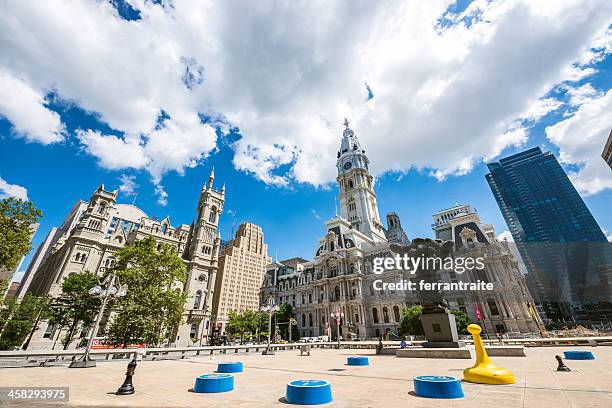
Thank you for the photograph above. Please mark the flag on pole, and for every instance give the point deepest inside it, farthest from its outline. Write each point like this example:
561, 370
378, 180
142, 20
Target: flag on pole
531, 313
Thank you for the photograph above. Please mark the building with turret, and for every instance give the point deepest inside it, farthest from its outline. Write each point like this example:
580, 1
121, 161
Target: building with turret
341, 279
95, 230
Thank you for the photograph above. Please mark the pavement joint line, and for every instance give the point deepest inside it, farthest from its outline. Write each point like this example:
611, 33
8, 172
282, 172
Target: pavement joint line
518, 387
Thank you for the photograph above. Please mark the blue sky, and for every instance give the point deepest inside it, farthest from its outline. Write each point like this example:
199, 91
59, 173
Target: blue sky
266, 107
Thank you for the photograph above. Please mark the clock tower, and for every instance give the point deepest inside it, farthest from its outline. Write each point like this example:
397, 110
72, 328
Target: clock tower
357, 197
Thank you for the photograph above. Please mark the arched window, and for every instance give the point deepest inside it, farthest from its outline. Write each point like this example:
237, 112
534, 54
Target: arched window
337, 292
386, 314
303, 319
213, 214
375, 314
83, 257
197, 299
470, 243
350, 183
310, 319
101, 207
396, 314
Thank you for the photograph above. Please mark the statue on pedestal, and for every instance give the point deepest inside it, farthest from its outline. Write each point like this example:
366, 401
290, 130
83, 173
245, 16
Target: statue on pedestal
437, 321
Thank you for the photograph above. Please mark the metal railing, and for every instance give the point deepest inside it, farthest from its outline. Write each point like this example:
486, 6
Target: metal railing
154, 353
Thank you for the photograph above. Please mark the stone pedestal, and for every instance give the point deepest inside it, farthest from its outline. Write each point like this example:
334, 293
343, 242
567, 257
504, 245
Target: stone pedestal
418, 352
440, 330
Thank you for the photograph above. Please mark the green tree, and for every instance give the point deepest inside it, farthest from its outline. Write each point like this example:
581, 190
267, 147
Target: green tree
411, 321
16, 218
74, 307
3, 286
260, 321
461, 321
236, 326
154, 303
17, 320
284, 314
246, 325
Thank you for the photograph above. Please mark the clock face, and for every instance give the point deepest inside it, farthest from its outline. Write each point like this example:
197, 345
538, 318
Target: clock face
347, 165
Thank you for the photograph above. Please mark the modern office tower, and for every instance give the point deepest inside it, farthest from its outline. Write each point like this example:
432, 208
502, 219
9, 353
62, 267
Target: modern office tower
242, 266
563, 247
607, 151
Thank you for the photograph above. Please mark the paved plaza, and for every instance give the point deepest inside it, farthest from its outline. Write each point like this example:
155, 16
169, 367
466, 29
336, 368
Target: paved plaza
386, 382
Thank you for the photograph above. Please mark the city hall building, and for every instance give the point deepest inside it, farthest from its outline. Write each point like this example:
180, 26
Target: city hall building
340, 279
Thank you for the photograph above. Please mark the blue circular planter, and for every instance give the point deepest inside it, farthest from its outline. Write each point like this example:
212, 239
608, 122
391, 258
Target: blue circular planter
232, 367
358, 361
435, 386
578, 355
308, 392
209, 383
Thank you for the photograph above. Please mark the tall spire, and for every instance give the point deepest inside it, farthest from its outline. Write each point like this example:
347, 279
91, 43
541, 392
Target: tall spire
211, 178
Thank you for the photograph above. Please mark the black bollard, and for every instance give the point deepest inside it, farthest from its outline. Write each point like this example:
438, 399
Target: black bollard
127, 388
561, 367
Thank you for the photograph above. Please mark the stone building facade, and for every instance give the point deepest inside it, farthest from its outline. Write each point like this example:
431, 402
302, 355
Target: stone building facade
341, 276
242, 266
100, 227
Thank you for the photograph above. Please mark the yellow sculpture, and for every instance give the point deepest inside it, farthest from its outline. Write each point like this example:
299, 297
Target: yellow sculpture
485, 372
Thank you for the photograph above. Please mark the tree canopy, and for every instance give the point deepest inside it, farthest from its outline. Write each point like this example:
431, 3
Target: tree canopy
247, 325
411, 321
154, 301
18, 318
16, 219
74, 306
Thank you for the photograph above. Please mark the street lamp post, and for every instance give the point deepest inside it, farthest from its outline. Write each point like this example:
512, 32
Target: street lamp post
270, 308
113, 290
337, 315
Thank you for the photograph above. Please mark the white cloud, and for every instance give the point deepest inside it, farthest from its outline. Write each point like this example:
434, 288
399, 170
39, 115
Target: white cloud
608, 234
128, 186
286, 74
581, 139
113, 151
24, 107
582, 94
506, 235
539, 108
316, 214
162, 196
12, 190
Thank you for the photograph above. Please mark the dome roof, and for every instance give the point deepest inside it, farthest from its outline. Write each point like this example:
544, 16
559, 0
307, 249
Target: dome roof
129, 212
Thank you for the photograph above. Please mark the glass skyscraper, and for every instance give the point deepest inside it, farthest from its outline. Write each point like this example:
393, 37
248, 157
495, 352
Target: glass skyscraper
563, 247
